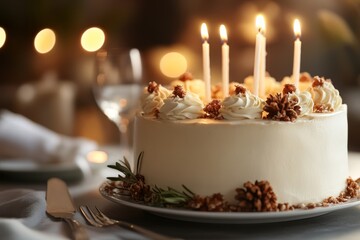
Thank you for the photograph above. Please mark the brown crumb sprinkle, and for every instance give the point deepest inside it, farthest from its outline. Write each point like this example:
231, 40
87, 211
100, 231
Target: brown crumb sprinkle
289, 88
239, 89
152, 87
319, 81
322, 108
179, 91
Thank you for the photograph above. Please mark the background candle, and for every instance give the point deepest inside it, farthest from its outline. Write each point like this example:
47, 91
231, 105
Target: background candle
262, 63
225, 61
260, 22
206, 62
297, 53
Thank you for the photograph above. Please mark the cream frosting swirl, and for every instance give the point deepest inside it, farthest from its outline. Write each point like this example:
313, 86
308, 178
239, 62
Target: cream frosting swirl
242, 106
325, 95
303, 100
177, 108
152, 102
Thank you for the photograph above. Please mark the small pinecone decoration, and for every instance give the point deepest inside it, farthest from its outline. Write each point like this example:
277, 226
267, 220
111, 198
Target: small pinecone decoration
352, 188
280, 108
256, 197
212, 110
214, 203
139, 191
179, 91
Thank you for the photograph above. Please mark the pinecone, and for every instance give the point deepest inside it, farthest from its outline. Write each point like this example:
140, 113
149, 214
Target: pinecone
280, 108
179, 91
212, 110
256, 197
214, 203
140, 191
352, 188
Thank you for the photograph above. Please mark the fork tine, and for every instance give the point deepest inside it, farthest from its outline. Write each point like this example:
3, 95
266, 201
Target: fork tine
103, 215
96, 217
88, 219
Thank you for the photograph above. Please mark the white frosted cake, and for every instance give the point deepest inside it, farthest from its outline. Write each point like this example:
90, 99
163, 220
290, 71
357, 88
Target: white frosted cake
293, 143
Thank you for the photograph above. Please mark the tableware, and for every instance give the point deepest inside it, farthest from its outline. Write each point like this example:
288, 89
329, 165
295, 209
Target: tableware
28, 170
227, 217
60, 205
118, 87
99, 219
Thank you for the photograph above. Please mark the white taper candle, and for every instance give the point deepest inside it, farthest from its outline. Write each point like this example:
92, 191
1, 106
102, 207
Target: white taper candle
225, 61
206, 62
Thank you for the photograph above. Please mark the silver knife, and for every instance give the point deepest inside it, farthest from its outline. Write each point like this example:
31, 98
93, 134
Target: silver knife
60, 205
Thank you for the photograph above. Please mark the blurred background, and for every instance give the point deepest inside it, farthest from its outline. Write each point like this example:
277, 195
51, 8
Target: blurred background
53, 86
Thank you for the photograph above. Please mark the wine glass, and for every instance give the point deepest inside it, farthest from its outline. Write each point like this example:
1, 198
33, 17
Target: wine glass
117, 88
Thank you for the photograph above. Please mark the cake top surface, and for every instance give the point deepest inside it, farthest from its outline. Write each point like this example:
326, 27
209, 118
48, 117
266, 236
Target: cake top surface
184, 100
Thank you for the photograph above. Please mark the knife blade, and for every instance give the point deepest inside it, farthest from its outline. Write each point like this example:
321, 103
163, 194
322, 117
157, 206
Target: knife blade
60, 205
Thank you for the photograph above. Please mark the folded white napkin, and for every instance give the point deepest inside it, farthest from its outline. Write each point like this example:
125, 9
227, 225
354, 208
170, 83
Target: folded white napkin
22, 138
21, 212
23, 216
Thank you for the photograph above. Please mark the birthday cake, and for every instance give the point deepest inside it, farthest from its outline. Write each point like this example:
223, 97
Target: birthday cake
293, 145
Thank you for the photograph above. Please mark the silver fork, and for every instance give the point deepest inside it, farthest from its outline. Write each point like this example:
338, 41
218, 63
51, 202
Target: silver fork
99, 219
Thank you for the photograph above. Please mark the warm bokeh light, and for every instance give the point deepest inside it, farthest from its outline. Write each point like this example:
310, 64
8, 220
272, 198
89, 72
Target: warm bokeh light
97, 157
223, 33
260, 23
204, 32
45, 41
2, 37
297, 28
173, 64
93, 39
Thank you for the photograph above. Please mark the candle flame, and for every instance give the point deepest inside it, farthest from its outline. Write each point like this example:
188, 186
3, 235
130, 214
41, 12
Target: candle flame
223, 33
204, 32
260, 23
297, 28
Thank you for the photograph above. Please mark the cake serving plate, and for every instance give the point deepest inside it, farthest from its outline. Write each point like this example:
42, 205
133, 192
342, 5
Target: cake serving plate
228, 217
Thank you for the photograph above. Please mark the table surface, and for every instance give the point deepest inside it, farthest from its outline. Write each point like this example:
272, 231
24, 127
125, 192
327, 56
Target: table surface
343, 224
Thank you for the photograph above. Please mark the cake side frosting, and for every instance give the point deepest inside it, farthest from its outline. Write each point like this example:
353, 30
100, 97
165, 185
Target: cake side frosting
305, 161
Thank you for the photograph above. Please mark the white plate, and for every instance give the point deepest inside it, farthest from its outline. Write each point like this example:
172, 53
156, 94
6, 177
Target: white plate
29, 170
228, 217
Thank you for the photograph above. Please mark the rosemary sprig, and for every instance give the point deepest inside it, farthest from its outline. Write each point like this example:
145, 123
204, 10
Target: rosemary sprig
172, 196
135, 186
126, 174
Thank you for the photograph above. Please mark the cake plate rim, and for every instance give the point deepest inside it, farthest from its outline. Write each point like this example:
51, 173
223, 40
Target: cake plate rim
227, 217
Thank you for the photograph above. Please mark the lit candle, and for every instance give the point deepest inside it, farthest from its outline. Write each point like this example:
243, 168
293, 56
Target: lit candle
260, 22
206, 62
262, 62
297, 53
225, 60
97, 159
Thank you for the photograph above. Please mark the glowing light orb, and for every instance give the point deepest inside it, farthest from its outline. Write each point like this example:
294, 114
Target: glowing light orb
2, 37
45, 40
173, 64
92, 39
